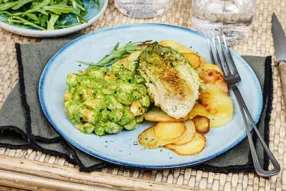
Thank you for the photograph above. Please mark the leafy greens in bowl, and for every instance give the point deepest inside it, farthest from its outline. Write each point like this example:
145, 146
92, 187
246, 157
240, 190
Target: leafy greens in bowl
48, 18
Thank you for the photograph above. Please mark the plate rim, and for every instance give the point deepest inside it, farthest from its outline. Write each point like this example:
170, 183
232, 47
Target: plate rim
52, 33
94, 154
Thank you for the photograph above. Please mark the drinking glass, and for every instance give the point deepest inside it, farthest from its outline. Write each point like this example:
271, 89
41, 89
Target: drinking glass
232, 17
142, 8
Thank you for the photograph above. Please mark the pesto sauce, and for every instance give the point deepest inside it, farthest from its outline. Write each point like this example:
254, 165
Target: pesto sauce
105, 101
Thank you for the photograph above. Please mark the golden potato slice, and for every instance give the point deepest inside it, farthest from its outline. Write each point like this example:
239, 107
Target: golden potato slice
202, 124
211, 76
206, 66
218, 104
157, 115
176, 46
173, 44
133, 56
169, 131
198, 110
193, 147
149, 140
188, 134
194, 59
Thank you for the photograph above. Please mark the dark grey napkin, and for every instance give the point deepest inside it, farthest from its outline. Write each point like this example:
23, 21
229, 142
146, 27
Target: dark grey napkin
23, 125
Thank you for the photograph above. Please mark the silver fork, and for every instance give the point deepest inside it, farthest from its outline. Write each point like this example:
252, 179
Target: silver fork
221, 55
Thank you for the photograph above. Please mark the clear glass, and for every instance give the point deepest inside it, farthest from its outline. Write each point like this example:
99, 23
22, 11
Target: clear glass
231, 17
142, 8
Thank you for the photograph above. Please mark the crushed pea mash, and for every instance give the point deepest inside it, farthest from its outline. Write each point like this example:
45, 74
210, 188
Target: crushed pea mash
104, 100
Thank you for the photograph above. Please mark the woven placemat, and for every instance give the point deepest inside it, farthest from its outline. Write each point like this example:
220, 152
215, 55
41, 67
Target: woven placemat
258, 43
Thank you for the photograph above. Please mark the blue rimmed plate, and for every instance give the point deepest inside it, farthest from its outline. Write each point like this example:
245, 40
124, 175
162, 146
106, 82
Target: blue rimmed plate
121, 148
92, 15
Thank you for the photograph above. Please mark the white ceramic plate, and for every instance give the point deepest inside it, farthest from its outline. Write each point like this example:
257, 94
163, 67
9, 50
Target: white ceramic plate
92, 15
120, 148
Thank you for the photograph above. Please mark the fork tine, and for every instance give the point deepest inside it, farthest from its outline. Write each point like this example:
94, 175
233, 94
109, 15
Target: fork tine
211, 51
233, 67
224, 56
218, 56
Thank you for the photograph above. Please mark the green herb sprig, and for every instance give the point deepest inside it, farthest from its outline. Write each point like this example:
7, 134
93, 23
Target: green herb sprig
45, 14
117, 53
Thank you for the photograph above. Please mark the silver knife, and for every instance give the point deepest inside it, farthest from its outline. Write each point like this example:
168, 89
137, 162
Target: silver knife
280, 51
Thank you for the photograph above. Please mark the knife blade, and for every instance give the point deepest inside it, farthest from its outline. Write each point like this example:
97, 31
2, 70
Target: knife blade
280, 51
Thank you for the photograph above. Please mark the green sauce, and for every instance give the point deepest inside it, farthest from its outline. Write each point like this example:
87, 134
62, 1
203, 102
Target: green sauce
105, 101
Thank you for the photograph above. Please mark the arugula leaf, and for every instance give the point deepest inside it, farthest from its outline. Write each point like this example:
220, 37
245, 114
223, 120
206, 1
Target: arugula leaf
21, 3
52, 21
17, 19
59, 9
44, 14
8, 5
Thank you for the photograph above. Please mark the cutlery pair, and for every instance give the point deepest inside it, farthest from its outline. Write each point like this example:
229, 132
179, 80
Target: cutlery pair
221, 55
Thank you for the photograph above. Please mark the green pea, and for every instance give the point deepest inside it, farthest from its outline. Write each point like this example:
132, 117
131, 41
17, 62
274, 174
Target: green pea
112, 103
139, 119
136, 95
115, 115
97, 74
104, 116
124, 97
111, 127
86, 128
99, 129
145, 101
74, 110
96, 104
127, 117
142, 89
72, 80
131, 125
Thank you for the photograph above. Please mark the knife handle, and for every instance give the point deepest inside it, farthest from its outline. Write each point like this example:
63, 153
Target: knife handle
282, 72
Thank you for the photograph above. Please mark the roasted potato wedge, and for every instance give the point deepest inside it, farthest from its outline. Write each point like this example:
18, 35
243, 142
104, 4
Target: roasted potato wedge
193, 58
195, 146
202, 124
188, 134
218, 104
157, 115
169, 131
211, 76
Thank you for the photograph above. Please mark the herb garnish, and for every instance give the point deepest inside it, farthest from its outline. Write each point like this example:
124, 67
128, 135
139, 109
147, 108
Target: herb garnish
117, 53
